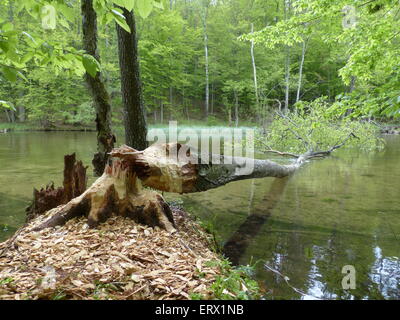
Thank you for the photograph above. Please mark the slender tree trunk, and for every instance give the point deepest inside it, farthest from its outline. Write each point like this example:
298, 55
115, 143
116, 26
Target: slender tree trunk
171, 97
352, 84
212, 99
303, 54
161, 112
253, 61
134, 114
12, 116
8, 116
21, 114
236, 109
287, 62
101, 98
206, 107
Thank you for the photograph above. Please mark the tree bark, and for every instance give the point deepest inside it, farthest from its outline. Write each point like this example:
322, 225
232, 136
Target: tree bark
287, 60
303, 54
253, 61
101, 98
236, 108
207, 98
134, 113
74, 184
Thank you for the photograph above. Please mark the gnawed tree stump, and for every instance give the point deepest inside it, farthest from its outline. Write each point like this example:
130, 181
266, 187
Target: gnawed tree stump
74, 184
171, 167
118, 191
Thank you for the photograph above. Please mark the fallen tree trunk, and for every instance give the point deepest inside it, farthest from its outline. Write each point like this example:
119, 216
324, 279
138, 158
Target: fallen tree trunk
167, 167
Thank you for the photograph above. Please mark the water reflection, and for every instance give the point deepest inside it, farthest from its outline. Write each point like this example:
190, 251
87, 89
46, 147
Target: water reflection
236, 246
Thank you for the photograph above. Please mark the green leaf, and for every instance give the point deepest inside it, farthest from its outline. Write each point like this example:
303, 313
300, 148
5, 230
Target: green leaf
7, 27
21, 75
7, 105
158, 4
120, 19
120, 3
144, 7
67, 12
27, 57
90, 64
10, 74
129, 4
4, 45
32, 40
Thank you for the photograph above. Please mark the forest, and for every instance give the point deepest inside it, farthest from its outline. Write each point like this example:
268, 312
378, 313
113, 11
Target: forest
299, 210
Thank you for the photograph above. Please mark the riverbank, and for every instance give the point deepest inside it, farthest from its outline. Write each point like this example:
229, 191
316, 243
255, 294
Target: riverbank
117, 128
386, 128
119, 260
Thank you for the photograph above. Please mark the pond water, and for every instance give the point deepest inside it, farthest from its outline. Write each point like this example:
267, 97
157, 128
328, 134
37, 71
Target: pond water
344, 210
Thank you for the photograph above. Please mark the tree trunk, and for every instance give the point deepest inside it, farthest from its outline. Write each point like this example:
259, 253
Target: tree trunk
74, 184
161, 112
303, 54
212, 99
101, 98
134, 114
168, 167
7, 116
236, 109
171, 98
287, 79
287, 60
253, 61
21, 114
207, 98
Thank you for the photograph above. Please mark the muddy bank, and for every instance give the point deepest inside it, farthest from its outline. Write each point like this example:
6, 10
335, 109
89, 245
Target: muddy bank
391, 130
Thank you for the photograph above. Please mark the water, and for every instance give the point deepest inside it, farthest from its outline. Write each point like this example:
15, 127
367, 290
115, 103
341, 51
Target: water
344, 210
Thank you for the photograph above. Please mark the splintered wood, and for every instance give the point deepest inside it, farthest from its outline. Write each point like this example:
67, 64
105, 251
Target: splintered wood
119, 260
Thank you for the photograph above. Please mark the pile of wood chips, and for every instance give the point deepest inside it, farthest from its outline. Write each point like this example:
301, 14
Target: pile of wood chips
118, 260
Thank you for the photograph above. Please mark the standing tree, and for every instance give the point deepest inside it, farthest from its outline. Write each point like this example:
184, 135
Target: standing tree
101, 98
134, 112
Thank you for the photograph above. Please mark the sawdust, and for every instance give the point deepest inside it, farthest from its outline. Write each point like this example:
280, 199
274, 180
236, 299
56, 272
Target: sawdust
120, 259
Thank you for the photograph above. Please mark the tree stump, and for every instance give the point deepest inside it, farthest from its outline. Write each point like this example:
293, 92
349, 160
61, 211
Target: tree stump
118, 191
74, 184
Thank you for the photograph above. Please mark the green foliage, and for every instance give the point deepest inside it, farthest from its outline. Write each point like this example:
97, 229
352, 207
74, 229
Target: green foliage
365, 33
172, 58
84, 115
91, 65
7, 105
234, 283
6, 281
316, 126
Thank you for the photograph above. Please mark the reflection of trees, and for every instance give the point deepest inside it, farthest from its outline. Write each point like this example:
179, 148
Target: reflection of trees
8, 222
235, 247
336, 212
